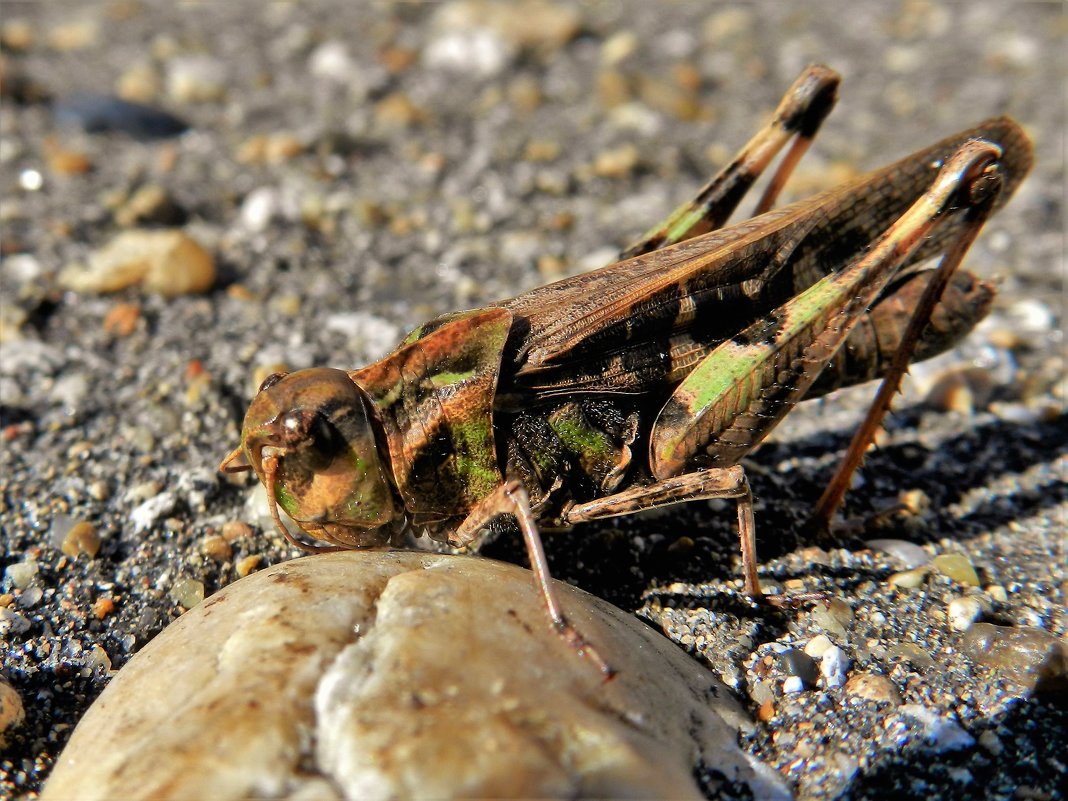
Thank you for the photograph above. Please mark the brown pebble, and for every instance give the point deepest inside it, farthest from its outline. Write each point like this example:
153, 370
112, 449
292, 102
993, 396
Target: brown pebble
140, 83
551, 267
76, 35
914, 501
198, 380
167, 158
67, 162
275, 148
1006, 339
236, 530
12, 712
216, 547
167, 262
398, 111
252, 150
816, 555
564, 221
670, 99
82, 538
525, 95
149, 204
681, 546
687, 76
17, 34
282, 147
767, 710
542, 150
250, 564
951, 393
103, 606
397, 59
873, 687
121, 319
618, 162
239, 292
6, 600
613, 88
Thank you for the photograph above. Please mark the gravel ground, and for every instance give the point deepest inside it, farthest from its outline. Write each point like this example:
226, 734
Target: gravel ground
357, 169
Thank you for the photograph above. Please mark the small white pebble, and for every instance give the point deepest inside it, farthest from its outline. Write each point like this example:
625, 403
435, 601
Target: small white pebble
833, 666
148, 513
21, 573
30, 598
989, 741
11, 622
818, 645
910, 579
792, 684
942, 733
31, 180
909, 554
962, 612
998, 593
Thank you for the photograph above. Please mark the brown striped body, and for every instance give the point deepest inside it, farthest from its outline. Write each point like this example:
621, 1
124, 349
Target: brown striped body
614, 344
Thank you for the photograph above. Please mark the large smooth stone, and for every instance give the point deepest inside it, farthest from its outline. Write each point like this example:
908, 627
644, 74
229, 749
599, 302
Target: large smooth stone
377, 675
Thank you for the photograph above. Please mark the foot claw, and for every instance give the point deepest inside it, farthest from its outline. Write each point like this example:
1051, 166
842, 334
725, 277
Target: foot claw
583, 648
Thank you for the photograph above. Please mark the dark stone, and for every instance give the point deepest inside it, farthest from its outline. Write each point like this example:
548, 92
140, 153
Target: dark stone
106, 113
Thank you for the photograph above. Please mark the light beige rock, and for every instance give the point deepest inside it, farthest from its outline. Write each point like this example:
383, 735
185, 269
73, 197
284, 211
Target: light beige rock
371, 675
168, 262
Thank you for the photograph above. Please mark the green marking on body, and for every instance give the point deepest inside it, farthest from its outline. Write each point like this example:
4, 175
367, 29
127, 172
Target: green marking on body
677, 229
731, 363
578, 436
413, 336
286, 500
476, 456
447, 378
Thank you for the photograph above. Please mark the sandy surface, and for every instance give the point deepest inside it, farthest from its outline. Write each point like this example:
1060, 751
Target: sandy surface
446, 167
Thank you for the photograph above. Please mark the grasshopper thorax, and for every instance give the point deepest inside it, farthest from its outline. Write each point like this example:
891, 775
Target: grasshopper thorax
308, 436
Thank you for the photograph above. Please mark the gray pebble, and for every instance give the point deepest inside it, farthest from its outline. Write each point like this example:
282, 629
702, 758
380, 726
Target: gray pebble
1026, 655
148, 513
940, 731
908, 554
962, 612
833, 666
21, 573
800, 665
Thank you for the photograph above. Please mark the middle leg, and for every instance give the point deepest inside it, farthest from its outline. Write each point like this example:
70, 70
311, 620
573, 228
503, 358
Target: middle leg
726, 482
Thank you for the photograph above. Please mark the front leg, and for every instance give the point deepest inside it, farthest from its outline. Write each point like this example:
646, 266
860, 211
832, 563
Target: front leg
510, 498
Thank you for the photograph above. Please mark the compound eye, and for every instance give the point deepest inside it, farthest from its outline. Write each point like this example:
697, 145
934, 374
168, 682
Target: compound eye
328, 440
271, 380
311, 430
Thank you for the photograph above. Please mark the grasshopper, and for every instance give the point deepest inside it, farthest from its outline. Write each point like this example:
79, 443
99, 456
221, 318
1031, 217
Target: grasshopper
645, 383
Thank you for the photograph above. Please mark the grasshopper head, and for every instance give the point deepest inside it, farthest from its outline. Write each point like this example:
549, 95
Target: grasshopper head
309, 438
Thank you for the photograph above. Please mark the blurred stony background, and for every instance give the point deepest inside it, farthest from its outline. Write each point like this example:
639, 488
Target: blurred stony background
349, 170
